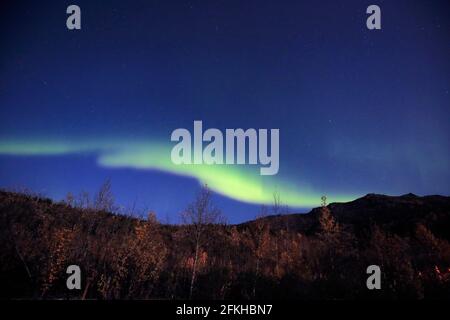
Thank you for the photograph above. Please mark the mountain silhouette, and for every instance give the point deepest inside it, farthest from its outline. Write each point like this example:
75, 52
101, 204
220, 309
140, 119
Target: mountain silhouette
396, 213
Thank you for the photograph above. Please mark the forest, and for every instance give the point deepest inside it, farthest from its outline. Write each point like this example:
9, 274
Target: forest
320, 255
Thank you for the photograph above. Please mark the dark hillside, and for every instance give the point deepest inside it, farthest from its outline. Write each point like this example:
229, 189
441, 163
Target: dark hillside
320, 255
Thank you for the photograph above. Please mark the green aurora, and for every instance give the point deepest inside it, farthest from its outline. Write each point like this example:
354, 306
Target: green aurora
239, 182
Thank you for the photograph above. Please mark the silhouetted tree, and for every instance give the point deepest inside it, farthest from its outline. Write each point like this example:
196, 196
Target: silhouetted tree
198, 217
104, 199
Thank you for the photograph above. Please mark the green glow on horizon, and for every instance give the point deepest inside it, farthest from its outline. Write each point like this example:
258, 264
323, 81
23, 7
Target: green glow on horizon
238, 182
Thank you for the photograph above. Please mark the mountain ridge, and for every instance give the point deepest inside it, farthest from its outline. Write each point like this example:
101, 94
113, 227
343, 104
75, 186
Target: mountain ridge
372, 208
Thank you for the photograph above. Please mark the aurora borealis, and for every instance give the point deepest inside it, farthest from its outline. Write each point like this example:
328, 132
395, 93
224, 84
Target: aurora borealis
235, 182
359, 111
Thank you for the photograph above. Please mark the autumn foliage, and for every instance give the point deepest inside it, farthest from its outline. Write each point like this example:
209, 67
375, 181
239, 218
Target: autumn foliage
321, 255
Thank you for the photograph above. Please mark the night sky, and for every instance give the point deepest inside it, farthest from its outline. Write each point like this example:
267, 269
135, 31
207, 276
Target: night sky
359, 111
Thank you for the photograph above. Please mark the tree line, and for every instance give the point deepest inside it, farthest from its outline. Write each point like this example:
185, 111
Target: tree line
124, 257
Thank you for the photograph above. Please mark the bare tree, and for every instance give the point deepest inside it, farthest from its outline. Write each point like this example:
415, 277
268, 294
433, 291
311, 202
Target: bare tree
276, 206
104, 200
200, 215
83, 200
258, 233
70, 199
279, 208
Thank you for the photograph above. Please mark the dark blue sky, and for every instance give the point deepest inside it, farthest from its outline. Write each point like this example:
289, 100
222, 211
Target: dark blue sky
359, 111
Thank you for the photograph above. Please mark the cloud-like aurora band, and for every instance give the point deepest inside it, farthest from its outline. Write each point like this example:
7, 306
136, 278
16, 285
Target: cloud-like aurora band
239, 182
